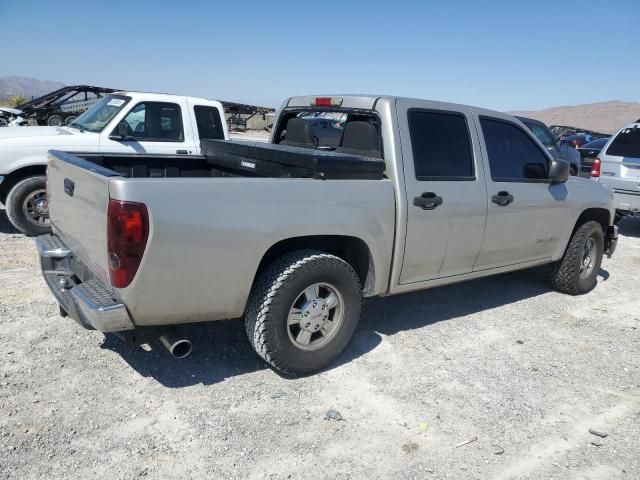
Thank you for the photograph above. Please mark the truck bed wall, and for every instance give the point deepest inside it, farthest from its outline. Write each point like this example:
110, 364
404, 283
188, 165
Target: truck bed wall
208, 236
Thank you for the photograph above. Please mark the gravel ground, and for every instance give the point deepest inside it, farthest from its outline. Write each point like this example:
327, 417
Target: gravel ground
523, 371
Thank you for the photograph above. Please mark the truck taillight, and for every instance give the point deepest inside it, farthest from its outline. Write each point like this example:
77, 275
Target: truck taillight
127, 235
595, 168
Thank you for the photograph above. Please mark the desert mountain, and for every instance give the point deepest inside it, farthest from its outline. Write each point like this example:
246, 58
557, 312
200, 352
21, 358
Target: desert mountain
26, 86
605, 117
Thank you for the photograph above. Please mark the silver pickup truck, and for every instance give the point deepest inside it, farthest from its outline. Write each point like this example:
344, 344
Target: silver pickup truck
291, 235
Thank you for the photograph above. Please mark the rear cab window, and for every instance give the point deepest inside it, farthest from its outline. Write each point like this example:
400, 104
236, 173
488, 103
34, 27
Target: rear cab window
324, 128
441, 145
626, 143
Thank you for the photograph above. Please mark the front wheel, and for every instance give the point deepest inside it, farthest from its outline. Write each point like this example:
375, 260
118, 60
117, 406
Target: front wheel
27, 206
577, 272
303, 311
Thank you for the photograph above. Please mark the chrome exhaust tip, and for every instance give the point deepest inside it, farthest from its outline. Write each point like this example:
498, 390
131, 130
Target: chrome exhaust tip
177, 347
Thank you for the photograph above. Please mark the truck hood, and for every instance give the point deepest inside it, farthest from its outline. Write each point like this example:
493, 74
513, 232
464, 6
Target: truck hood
28, 132
50, 137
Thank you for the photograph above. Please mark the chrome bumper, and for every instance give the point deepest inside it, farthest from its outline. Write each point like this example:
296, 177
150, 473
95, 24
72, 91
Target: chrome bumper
90, 303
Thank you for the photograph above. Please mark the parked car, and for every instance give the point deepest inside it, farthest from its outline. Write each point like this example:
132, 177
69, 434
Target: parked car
576, 140
419, 194
588, 152
122, 122
618, 167
555, 147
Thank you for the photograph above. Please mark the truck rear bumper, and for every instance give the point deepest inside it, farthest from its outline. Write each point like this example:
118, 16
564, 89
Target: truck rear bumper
89, 302
627, 201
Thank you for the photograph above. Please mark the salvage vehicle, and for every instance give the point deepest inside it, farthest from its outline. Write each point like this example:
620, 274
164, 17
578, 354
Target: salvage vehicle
588, 153
555, 147
418, 194
121, 122
618, 167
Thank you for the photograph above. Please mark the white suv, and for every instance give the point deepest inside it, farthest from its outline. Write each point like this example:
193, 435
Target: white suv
618, 166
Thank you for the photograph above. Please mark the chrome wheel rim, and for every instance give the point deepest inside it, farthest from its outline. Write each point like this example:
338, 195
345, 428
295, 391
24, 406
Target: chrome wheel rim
315, 317
588, 258
36, 209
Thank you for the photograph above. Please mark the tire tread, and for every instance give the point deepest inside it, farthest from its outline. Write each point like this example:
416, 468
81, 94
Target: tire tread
264, 298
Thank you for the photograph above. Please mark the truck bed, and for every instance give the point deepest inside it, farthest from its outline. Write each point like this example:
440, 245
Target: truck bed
208, 228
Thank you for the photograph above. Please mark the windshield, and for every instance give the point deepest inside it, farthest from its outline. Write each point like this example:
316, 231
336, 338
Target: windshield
101, 113
543, 134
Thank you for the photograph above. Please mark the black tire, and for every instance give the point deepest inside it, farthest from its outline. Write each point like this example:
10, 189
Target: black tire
15, 201
567, 276
55, 121
274, 293
69, 120
573, 171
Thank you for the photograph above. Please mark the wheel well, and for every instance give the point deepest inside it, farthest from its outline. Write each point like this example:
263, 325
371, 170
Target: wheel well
600, 215
351, 249
14, 177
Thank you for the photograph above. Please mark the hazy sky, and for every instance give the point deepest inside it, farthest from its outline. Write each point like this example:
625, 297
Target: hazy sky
503, 55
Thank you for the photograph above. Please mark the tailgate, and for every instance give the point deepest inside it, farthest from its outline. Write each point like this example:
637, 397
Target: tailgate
78, 193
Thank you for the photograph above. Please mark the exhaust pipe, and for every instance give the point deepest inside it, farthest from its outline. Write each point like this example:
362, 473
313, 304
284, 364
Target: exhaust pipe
178, 347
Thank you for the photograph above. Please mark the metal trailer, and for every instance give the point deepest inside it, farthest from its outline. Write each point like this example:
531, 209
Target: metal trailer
62, 106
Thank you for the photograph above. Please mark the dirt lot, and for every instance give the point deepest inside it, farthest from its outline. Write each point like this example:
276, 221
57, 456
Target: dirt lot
524, 369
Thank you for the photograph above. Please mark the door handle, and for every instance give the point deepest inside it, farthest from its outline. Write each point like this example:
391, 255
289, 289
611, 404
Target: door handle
502, 198
69, 187
427, 201
182, 152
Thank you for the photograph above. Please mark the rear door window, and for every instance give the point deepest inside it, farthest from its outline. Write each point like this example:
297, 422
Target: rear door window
441, 145
209, 122
626, 143
513, 155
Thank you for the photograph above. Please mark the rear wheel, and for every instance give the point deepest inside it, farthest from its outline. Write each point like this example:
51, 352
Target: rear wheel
303, 311
69, 120
27, 206
577, 272
55, 121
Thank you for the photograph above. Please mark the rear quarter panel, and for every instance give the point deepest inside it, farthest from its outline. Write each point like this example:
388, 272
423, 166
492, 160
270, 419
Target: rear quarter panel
208, 236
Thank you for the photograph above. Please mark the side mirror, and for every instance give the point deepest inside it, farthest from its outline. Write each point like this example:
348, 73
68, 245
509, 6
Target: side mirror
559, 171
121, 132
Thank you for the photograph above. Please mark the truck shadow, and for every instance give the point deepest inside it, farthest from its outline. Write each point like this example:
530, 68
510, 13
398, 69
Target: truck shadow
5, 224
221, 349
629, 227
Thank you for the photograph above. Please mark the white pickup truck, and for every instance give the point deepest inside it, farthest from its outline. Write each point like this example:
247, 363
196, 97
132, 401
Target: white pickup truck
122, 122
